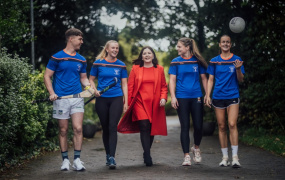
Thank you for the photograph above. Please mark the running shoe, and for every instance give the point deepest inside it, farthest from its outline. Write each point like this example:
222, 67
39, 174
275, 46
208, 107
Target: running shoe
77, 165
235, 163
196, 155
112, 164
65, 165
225, 161
187, 161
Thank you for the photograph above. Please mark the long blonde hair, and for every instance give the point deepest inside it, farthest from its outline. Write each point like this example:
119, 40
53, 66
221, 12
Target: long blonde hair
193, 48
103, 54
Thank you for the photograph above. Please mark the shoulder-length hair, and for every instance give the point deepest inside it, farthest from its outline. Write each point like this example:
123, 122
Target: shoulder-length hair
139, 60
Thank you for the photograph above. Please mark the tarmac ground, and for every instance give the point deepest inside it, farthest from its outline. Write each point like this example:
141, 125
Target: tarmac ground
167, 156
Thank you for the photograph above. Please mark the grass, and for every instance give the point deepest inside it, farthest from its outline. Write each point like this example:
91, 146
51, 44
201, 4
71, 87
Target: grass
262, 139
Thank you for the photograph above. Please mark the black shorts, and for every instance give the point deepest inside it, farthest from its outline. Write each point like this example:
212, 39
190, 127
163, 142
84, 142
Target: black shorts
224, 103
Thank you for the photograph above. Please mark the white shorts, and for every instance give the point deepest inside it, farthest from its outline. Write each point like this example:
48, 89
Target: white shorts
63, 108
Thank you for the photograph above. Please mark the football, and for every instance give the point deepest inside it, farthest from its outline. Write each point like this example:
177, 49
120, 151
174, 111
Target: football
237, 24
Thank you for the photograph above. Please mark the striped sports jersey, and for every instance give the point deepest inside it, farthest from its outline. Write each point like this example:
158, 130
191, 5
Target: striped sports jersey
187, 73
226, 82
105, 71
67, 69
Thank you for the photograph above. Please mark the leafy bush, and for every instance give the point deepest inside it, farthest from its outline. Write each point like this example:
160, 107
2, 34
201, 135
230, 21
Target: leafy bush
23, 125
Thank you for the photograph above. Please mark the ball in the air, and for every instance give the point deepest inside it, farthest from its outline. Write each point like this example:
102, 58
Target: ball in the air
237, 24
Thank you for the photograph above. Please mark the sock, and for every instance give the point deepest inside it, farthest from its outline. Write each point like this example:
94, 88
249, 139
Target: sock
234, 150
64, 155
225, 151
76, 154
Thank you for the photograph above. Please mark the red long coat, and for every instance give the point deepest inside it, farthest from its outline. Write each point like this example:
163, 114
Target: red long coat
129, 125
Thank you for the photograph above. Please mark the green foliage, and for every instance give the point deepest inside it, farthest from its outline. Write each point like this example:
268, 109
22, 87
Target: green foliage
13, 23
90, 115
23, 125
261, 138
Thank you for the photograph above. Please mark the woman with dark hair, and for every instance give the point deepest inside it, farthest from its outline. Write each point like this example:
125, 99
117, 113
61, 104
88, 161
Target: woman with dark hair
147, 95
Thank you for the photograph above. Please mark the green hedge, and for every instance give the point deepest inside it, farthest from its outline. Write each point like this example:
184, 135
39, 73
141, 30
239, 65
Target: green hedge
25, 128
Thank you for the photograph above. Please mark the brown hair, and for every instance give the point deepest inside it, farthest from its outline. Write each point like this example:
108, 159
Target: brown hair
193, 50
103, 54
72, 32
139, 60
220, 51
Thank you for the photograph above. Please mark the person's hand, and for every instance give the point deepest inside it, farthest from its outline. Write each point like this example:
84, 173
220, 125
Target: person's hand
97, 93
53, 97
208, 101
238, 64
205, 99
162, 102
174, 103
125, 107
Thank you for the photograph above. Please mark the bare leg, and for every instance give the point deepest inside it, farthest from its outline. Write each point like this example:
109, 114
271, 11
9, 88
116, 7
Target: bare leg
77, 120
63, 129
232, 122
221, 118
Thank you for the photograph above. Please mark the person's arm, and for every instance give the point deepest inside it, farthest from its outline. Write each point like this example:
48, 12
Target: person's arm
92, 84
172, 86
47, 80
209, 89
84, 80
238, 65
125, 92
204, 83
163, 92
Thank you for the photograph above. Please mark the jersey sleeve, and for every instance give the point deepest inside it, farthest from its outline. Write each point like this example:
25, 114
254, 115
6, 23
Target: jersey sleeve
83, 69
52, 64
202, 69
211, 69
172, 69
94, 70
124, 73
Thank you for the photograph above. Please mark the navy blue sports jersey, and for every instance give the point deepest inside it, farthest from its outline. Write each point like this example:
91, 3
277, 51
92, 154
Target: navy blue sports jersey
105, 71
226, 82
187, 73
67, 69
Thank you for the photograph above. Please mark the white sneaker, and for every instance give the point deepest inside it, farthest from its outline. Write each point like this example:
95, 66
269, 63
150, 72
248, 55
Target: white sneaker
235, 163
225, 161
77, 165
196, 155
65, 165
187, 161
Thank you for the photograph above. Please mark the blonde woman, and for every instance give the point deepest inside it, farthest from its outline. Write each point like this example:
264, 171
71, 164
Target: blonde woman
110, 105
186, 95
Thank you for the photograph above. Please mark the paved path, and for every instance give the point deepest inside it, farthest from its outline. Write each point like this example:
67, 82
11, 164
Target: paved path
167, 157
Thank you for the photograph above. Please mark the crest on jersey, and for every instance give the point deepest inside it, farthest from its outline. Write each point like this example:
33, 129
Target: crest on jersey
78, 67
232, 69
117, 71
195, 68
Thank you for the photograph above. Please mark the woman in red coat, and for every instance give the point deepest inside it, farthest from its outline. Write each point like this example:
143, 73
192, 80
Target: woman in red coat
147, 95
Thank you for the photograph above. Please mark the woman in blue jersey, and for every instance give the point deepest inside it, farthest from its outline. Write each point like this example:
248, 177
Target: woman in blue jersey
110, 105
186, 94
227, 70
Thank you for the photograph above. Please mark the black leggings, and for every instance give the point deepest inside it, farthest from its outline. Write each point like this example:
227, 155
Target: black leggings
109, 111
146, 138
195, 107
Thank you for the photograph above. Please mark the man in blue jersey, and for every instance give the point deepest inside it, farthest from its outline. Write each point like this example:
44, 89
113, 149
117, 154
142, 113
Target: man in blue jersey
67, 68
